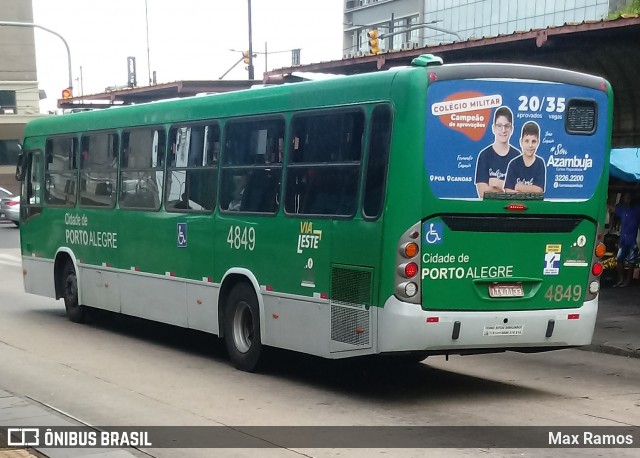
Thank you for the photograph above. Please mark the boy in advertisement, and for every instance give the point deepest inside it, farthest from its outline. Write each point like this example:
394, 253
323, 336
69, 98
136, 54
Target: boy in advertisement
491, 166
527, 172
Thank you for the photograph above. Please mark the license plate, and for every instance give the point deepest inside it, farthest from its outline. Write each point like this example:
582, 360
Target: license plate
505, 290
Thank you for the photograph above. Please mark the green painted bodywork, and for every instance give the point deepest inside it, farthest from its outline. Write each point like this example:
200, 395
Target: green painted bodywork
148, 241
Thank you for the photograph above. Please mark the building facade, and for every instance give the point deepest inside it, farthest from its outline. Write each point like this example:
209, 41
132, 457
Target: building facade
405, 24
19, 94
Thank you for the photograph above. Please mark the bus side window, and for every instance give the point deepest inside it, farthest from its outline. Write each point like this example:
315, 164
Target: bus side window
98, 169
261, 192
323, 174
377, 160
252, 166
192, 172
61, 178
141, 174
31, 192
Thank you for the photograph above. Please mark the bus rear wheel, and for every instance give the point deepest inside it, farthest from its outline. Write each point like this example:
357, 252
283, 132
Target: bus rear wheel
76, 312
242, 328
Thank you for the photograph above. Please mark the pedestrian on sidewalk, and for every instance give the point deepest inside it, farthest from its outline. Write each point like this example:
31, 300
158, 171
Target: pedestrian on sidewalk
628, 212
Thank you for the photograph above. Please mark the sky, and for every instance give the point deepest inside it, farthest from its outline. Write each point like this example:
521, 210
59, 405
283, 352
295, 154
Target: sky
188, 39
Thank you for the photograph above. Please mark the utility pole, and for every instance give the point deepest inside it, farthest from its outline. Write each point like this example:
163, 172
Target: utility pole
81, 82
390, 39
146, 16
250, 44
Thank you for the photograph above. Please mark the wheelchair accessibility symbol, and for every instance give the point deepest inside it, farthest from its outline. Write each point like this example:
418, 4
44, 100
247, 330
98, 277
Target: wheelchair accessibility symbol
432, 233
182, 235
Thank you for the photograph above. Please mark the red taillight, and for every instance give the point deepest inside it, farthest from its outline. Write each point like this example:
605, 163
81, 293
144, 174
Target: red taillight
596, 269
433, 77
11, 203
410, 270
407, 284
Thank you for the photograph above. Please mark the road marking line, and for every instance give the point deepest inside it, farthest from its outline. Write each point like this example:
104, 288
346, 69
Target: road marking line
11, 258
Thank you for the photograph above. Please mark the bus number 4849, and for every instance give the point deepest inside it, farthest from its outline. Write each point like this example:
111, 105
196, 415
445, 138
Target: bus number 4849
558, 293
242, 237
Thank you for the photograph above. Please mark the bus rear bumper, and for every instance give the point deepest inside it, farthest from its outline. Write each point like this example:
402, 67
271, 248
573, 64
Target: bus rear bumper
406, 327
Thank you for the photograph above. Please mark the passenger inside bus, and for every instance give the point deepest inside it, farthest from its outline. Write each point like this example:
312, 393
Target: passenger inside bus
239, 184
261, 194
183, 203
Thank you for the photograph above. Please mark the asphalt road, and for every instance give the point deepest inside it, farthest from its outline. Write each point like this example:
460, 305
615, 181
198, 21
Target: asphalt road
122, 371
9, 234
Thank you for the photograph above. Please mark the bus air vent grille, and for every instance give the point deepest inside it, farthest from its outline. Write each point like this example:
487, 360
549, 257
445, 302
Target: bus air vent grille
350, 326
350, 286
501, 223
350, 298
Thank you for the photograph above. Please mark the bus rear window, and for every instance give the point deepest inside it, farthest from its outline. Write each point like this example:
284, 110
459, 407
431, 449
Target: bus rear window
581, 116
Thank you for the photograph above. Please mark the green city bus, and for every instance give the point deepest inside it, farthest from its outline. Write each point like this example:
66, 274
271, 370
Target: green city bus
394, 212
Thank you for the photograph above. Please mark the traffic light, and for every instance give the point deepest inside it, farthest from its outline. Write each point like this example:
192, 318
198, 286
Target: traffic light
66, 93
245, 56
374, 42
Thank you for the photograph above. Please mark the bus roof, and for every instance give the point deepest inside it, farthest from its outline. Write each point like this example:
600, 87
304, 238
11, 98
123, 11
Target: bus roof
342, 90
325, 92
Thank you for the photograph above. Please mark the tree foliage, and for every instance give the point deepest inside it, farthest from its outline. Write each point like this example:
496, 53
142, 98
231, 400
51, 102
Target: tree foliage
632, 8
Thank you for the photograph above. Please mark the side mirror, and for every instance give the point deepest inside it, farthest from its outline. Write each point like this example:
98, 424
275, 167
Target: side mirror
20, 167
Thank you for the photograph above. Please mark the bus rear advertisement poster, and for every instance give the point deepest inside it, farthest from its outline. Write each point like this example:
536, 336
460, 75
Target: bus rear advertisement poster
462, 123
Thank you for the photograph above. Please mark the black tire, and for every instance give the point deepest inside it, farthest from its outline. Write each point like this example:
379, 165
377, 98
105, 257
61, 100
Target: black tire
411, 358
416, 357
242, 328
76, 312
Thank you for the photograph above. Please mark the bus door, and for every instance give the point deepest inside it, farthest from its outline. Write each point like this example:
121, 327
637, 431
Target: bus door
29, 171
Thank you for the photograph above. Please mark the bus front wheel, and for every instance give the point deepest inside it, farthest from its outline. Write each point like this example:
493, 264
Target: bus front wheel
242, 328
75, 311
